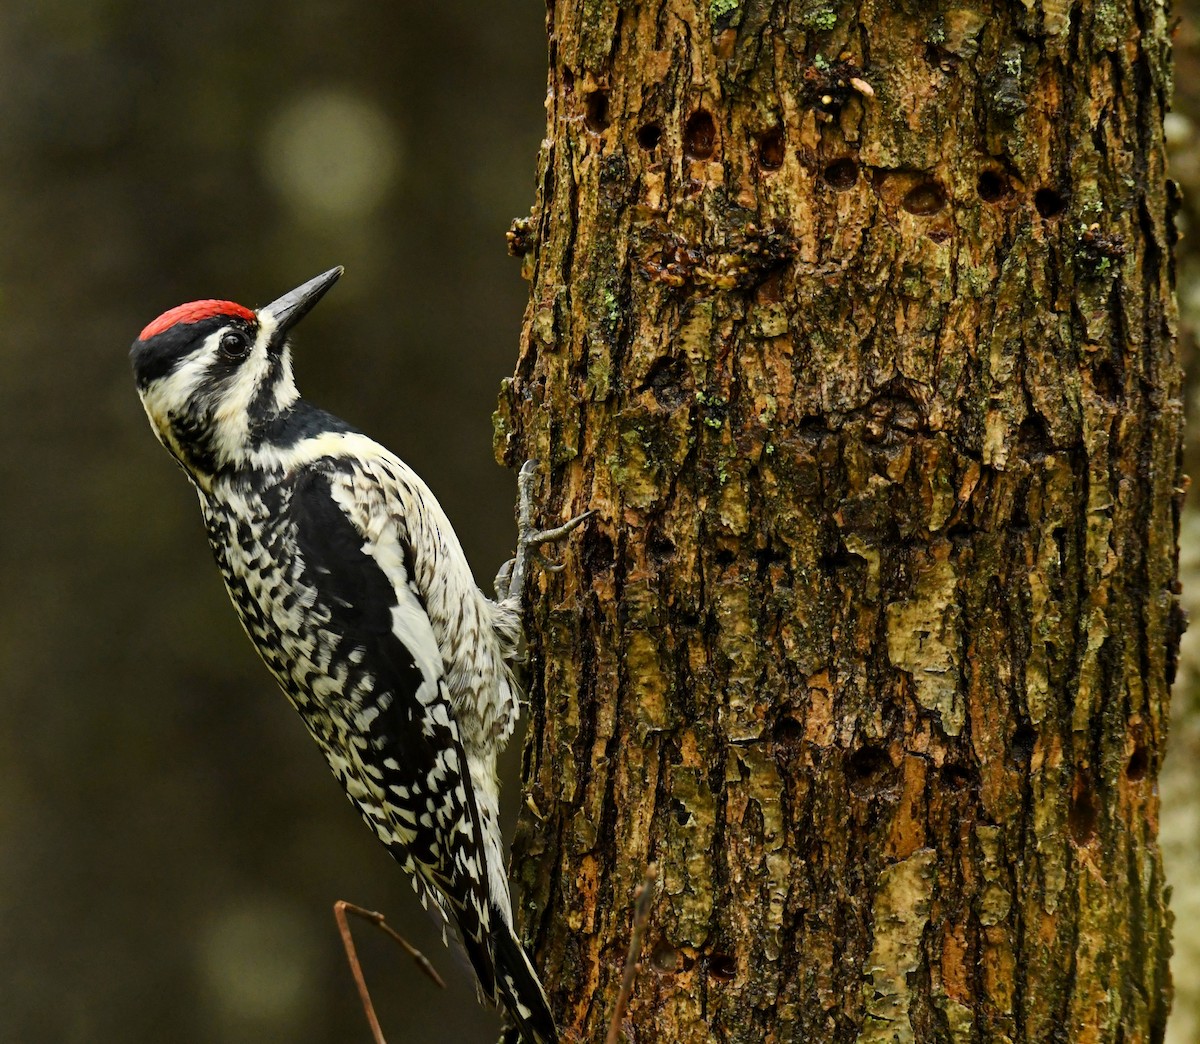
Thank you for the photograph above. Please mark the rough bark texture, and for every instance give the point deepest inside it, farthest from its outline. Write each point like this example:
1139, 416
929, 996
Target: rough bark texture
869, 645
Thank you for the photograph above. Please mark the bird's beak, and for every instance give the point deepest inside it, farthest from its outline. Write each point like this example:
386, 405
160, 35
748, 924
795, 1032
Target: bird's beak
293, 306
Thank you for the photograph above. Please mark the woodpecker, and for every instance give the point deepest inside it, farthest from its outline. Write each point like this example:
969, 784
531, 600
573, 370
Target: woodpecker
352, 586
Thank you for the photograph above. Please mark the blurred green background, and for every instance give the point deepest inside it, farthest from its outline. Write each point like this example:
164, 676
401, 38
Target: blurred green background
170, 840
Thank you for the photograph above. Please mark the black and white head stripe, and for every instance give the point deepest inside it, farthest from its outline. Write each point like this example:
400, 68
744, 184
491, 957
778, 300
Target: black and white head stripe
176, 334
212, 375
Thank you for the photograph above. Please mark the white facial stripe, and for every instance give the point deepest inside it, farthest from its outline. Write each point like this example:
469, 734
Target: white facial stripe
266, 326
231, 418
170, 393
286, 392
220, 404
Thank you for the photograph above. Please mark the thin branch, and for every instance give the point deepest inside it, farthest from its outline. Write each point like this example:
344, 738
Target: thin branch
641, 914
340, 909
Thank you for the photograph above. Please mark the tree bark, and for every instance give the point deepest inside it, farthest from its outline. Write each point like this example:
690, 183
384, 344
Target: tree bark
854, 323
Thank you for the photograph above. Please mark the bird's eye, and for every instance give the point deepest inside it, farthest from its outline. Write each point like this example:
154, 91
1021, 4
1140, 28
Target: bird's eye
234, 345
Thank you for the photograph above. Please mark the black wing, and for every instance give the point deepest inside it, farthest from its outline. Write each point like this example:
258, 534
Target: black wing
410, 746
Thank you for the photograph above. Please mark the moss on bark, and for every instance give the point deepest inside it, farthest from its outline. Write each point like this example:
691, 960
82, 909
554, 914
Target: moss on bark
854, 323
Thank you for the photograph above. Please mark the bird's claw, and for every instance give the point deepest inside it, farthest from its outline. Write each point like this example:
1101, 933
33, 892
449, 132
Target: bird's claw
549, 536
510, 581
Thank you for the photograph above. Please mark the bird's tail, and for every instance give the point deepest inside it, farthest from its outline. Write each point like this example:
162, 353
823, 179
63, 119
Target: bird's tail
518, 987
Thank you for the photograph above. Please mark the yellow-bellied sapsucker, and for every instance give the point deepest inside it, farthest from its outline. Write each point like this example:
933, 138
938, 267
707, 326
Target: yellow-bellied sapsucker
353, 587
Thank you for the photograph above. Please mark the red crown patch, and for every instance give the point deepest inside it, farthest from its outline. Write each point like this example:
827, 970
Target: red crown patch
194, 312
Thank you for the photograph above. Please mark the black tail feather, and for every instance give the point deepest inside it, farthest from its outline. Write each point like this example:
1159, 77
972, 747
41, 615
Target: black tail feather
506, 976
518, 987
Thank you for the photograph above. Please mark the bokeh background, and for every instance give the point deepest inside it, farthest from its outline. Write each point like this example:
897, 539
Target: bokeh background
170, 840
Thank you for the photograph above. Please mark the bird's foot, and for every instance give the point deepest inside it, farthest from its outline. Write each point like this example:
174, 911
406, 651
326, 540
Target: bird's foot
510, 581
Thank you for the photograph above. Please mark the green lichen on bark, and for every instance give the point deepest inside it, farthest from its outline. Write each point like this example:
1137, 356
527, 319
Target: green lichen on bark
877, 615
900, 914
718, 9
924, 640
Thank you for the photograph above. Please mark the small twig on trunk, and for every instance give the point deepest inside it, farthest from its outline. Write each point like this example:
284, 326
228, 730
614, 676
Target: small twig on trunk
641, 914
340, 909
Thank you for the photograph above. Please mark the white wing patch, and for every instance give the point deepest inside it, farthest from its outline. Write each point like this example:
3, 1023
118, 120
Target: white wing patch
441, 616
410, 622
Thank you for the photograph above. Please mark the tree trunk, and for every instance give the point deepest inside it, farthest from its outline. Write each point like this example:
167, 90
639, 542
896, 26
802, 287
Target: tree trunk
854, 323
